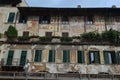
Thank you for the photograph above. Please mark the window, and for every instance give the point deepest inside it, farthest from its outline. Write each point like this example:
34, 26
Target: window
90, 20
23, 19
66, 56
23, 58
48, 34
65, 34
51, 56
118, 57
80, 56
38, 55
10, 57
94, 57
65, 20
109, 57
26, 33
11, 17
44, 20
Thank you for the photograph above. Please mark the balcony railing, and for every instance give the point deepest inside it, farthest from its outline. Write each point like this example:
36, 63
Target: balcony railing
15, 62
57, 76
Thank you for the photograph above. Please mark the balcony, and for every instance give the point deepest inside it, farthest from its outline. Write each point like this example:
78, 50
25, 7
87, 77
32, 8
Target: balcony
56, 76
14, 66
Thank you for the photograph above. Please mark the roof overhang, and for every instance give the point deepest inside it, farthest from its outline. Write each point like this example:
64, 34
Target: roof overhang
15, 2
69, 11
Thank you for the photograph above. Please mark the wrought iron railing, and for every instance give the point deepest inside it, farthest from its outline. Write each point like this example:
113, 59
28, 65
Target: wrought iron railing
57, 76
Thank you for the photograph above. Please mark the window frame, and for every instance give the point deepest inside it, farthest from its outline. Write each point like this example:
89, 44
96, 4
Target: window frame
48, 34
23, 62
90, 20
65, 20
96, 55
23, 18
38, 56
107, 57
52, 55
67, 59
80, 58
11, 17
10, 58
44, 19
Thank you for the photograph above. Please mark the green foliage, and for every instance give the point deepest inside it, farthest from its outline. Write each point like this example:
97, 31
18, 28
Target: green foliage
66, 39
90, 36
111, 36
11, 33
45, 39
24, 38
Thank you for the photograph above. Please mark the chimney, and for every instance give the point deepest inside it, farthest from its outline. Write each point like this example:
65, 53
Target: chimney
113, 6
78, 6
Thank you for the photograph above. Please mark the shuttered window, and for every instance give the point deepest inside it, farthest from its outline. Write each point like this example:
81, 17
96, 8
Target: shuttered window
23, 58
80, 56
110, 57
94, 57
66, 56
51, 56
38, 55
11, 17
118, 57
10, 57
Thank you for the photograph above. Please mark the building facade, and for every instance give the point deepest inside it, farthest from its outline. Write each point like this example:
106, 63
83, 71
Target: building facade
54, 55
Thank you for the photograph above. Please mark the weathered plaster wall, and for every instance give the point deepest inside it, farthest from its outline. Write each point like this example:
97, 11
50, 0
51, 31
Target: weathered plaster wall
4, 13
58, 66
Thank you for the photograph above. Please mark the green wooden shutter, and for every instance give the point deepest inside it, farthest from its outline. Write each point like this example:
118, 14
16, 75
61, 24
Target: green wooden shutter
118, 57
66, 56
11, 17
23, 58
51, 56
106, 57
38, 55
97, 57
10, 57
80, 56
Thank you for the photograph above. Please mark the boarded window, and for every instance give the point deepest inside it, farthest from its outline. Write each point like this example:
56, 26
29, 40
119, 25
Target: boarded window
48, 34
66, 56
23, 58
11, 17
65, 34
80, 56
51, 56
23, 19
26, 33
10, 57
110, 57
44, 20
38, 56
94, 57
